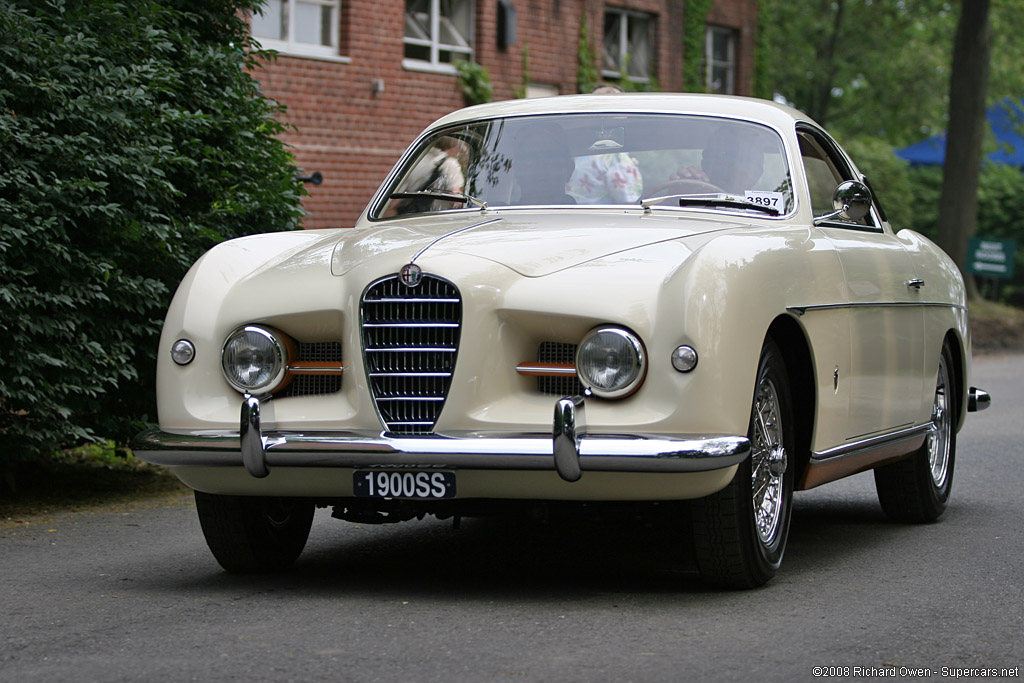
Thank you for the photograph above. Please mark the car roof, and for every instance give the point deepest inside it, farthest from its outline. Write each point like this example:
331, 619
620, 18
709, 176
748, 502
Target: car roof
766, 111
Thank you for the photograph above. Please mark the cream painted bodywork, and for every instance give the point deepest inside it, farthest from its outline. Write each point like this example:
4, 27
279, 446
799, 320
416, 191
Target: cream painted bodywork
716, 280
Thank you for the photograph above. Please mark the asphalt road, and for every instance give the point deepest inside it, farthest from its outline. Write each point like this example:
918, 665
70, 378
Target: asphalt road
133, 594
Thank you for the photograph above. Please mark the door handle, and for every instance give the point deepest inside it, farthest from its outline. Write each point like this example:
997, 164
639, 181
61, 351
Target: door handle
915, 283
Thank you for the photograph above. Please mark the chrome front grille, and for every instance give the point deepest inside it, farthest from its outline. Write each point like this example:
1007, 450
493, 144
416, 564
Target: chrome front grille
410, 342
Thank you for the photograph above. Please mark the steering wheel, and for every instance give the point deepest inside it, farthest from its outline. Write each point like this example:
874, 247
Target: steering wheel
685, 186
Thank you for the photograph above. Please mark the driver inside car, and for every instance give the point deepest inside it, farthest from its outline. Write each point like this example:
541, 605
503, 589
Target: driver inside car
732, 161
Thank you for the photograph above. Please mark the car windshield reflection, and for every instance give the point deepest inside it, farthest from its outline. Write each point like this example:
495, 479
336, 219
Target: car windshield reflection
588, 159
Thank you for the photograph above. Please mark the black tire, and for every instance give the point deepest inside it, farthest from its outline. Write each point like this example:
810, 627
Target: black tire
916, 489
739, 543
254, 535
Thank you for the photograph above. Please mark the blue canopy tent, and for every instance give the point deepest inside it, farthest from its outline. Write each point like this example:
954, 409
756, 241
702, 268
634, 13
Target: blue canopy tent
1006, 120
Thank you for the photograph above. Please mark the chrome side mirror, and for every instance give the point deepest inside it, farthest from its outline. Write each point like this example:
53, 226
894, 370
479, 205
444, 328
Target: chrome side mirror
851, 201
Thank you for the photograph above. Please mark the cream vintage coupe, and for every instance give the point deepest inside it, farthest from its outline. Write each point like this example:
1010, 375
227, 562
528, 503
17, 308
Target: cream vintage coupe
580, 299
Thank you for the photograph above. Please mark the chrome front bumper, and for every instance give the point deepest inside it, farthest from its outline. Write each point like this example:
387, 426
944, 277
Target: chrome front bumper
568, 449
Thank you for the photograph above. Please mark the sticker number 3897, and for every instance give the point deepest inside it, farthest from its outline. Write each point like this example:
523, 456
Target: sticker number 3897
403, 484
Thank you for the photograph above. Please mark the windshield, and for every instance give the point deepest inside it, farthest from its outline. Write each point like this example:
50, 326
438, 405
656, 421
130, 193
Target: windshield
590, 159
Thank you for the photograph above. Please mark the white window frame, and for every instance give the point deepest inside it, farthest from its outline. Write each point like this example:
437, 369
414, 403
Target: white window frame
290, 46
729, 64
624, 43
433, 41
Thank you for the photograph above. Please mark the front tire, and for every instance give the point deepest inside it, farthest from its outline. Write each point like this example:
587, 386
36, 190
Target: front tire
254, 535
740, 533
917, 488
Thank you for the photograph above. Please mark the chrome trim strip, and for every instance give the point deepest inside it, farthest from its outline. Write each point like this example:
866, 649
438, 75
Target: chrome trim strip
462, 450
863, 455
410, 325
413, 398
409, 349
872, 443
450, 234
316, 370
545, 370
416, 301
800, 310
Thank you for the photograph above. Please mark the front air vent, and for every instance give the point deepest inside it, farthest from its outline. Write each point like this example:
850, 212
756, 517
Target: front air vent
315, 383
410, 342
563, 354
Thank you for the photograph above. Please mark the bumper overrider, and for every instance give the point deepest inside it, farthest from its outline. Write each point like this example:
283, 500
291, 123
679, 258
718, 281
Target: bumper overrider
568, 449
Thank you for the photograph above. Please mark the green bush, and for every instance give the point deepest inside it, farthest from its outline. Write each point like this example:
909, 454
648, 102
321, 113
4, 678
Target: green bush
889, 177
133, 138
1000, 214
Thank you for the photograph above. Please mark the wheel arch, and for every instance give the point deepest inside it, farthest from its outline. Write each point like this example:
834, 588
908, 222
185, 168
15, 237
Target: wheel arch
959, 374
792, 342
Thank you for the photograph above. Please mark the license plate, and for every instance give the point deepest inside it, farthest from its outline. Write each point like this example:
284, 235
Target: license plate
403, 484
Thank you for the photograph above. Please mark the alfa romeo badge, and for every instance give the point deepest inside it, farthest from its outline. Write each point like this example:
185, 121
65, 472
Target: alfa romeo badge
410, 275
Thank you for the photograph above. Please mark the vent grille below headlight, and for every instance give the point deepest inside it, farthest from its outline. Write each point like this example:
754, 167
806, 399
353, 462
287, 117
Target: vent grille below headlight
410, 343
558, 352
328, 353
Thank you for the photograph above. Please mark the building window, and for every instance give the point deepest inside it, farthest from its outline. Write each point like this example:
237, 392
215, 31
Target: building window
720, 57
437, 33
302, 27
628, 51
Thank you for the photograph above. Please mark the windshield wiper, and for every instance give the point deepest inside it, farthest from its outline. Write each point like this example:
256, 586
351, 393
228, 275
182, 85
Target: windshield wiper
726, 200
441, 195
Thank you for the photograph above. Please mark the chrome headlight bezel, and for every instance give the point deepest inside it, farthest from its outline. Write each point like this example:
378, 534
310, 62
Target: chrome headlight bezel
623, 340
266, 341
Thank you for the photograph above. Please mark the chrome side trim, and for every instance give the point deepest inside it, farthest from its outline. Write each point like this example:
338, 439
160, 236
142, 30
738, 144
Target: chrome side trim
842, 461
800, 310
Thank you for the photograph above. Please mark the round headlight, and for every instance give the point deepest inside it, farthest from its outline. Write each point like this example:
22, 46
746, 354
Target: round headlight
611, 362
253, 359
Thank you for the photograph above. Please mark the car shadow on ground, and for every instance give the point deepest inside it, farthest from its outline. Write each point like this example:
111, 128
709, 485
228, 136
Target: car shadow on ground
557, 557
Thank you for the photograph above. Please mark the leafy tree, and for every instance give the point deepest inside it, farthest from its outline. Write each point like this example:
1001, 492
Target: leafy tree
958, 203
876, 68
133, 138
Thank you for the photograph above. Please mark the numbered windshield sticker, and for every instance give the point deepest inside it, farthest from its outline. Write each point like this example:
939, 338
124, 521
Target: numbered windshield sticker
775, 200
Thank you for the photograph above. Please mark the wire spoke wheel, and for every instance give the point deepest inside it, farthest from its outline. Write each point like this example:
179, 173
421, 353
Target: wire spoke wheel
938, 441
917, 488
740, 533
768, 462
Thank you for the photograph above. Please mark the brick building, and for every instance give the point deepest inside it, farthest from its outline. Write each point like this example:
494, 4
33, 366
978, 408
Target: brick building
362, 79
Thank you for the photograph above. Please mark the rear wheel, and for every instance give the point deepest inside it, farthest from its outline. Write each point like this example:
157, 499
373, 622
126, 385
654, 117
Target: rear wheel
254, 534
917, 488
740, 532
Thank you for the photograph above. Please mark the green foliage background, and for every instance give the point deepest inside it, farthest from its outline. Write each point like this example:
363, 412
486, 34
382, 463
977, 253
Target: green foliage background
876, 74
133, 139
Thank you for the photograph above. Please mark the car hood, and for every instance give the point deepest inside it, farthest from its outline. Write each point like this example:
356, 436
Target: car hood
532, 244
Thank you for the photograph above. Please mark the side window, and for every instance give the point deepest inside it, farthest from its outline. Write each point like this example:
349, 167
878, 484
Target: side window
825, 169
